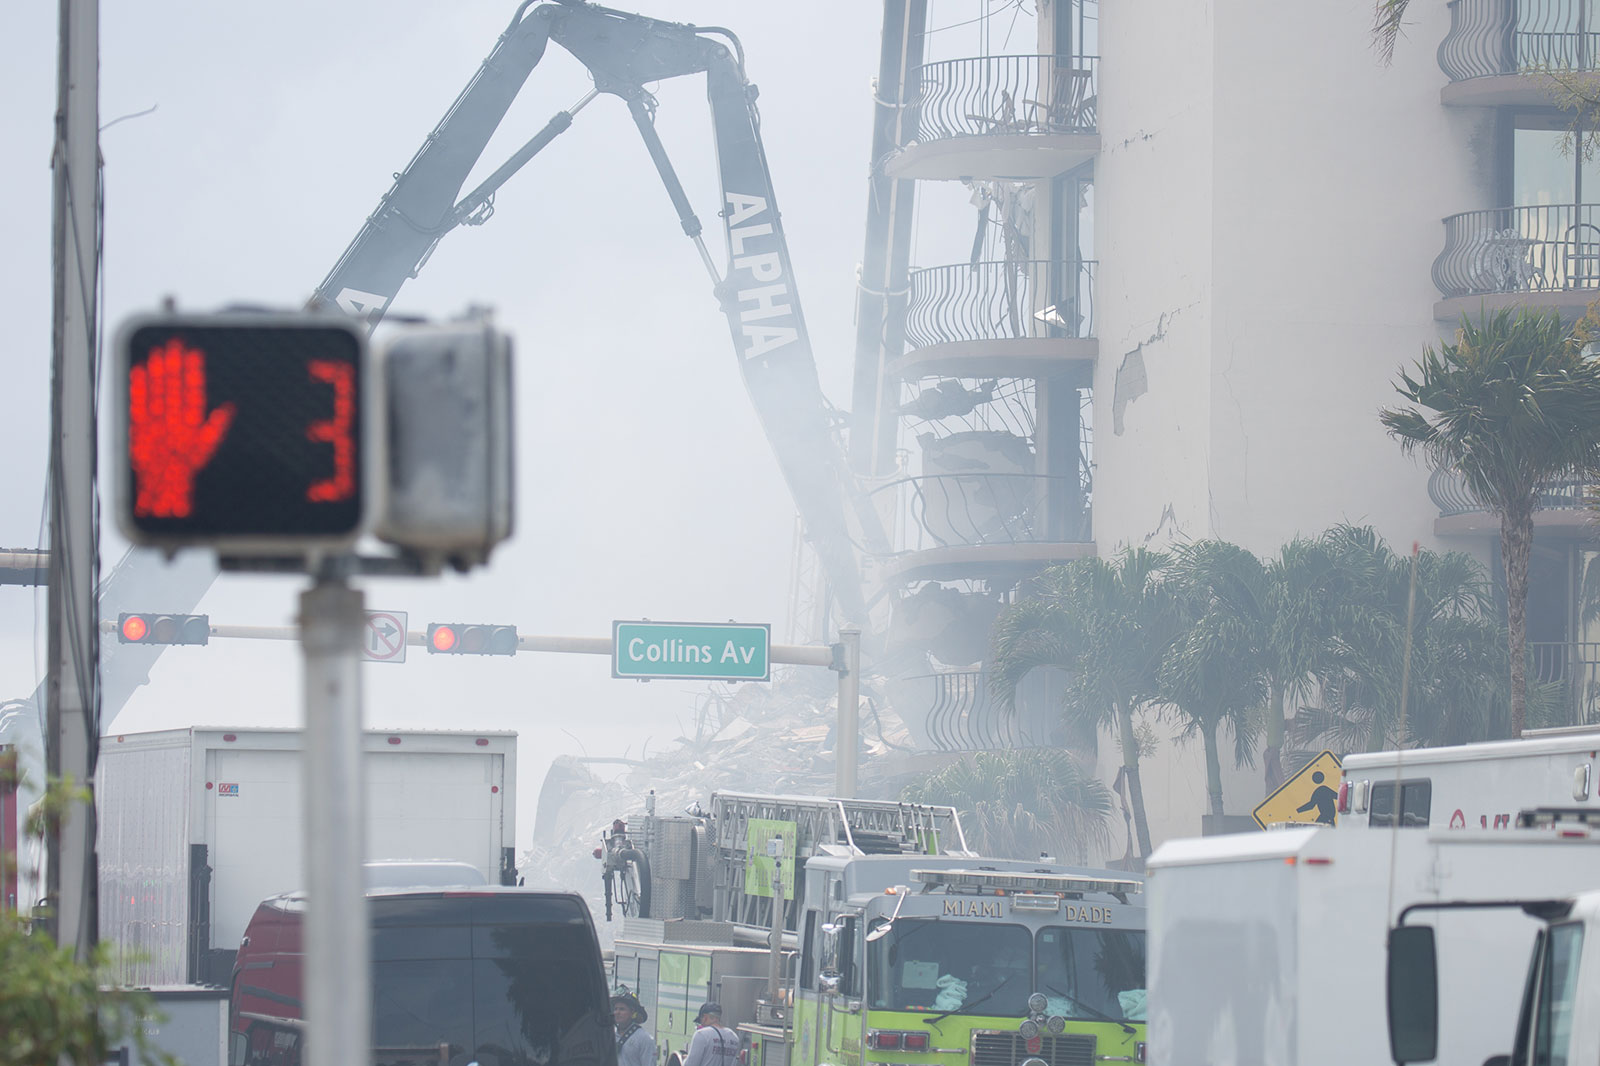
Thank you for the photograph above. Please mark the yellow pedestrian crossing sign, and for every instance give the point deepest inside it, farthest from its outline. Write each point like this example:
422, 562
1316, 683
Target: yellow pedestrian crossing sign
1310, 796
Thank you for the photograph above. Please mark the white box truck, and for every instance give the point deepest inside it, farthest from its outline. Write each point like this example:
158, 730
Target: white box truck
1268, 949
1557, 1013
198, 826
1472, 786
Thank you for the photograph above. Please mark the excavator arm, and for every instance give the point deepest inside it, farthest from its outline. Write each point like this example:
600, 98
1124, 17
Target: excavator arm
623, 52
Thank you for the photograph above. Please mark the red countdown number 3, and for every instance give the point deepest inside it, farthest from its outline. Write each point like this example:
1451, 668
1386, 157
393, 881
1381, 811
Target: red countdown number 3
171, 437
336, 431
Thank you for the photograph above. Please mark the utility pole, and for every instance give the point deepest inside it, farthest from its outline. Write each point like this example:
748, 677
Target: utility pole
72, 716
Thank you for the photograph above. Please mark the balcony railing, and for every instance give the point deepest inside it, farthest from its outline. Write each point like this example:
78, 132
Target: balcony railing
963, 718
1497, 37
1520, 249
1572, 670
1449, 493
990, 301
1007, 94
967, 510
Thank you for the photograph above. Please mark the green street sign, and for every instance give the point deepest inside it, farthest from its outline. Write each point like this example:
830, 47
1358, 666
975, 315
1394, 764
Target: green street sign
695, 651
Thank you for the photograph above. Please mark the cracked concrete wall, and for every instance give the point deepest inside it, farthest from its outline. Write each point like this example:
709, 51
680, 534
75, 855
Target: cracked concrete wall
1153, 240
1268, 205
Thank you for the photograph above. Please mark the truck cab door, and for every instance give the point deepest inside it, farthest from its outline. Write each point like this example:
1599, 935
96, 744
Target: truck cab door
1547, 1027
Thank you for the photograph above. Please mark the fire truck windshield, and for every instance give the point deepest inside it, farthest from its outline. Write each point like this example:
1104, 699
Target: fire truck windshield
1095, 974
940, 966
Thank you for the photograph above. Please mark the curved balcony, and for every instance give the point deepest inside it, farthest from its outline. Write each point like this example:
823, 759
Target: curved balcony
1497, 50
961, 716
1564, 508
1021, 117
1016, 319
1546, 256
983, 525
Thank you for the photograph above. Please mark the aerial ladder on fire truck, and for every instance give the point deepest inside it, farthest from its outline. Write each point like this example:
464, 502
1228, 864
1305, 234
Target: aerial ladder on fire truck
719, 847
623, 52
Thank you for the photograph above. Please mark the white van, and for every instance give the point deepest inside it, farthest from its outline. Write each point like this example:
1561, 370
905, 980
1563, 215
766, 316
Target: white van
1471, 786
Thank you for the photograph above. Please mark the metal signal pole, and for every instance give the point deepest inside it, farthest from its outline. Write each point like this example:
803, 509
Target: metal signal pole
73, 698
338, 991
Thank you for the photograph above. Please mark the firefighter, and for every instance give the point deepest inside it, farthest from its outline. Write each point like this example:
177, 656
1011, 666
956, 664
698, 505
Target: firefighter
713, 1044
635, 1046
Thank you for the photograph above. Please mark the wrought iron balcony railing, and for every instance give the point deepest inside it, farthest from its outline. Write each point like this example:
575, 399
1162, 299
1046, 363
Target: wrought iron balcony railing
1552, 248
966, 510
1497, 37
988, 301
1449, 493
1007, 94
962, 717
1572, 668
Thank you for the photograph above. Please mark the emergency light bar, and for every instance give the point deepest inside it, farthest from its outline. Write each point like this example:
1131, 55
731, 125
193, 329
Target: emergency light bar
1018, 882
1545, 817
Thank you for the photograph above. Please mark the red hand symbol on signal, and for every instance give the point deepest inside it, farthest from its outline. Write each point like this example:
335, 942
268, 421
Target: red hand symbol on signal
170, 436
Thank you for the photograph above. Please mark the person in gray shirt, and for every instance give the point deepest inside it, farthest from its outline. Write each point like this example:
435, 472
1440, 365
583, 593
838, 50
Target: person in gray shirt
635, 1046
713, 1043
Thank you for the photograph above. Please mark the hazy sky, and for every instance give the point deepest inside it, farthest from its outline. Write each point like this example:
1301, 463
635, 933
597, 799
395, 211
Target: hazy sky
646, 488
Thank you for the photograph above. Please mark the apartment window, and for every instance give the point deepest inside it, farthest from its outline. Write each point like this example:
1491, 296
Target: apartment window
1545, 169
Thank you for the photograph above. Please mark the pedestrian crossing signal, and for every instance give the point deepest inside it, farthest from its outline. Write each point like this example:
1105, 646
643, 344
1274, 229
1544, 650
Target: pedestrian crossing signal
458, 638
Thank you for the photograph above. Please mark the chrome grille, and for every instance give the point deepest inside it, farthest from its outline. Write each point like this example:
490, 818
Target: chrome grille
991, 1048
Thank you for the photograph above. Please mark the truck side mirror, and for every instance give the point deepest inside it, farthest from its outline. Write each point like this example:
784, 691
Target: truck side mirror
1413, 994
829, 974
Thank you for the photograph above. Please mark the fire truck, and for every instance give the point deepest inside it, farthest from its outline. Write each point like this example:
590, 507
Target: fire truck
866, 933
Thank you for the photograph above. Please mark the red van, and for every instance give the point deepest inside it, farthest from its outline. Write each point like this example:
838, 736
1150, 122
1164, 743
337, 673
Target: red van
487, 975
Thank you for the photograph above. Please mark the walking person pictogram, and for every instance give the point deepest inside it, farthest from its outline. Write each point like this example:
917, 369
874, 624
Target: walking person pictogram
1324, 799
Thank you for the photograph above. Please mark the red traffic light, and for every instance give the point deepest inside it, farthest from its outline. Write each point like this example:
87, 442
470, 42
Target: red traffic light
137, 628
461, 639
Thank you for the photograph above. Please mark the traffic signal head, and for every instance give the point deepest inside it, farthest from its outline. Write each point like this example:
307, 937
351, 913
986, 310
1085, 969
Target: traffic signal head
459, 639
243, 432
163, 628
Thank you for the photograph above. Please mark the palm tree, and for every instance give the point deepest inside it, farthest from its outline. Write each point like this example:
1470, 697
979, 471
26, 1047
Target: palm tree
1106, 625
1386, 21
1512, 404
1021, 804
1216, 671
1457, 684
1299, 615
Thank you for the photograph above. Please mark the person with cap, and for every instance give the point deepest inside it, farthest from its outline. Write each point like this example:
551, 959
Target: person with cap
635, 1046
713, 1043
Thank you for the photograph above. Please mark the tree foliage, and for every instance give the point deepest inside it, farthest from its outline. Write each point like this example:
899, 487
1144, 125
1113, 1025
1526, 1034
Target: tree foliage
1021, 804
55, 1007
1456, 691
1105, 624
1512, 404
1314, 636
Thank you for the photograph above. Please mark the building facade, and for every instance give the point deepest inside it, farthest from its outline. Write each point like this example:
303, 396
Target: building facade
1167, 261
